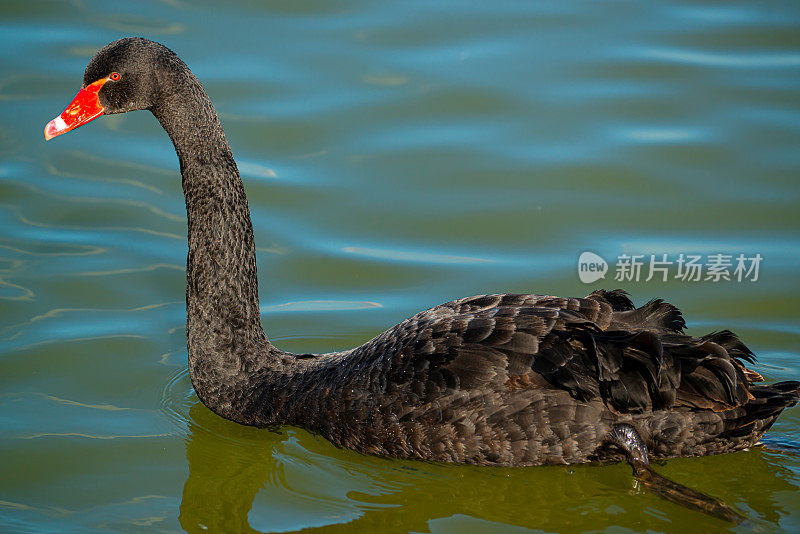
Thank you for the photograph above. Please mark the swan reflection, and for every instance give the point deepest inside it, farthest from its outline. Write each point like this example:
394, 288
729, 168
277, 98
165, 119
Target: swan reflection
244, 479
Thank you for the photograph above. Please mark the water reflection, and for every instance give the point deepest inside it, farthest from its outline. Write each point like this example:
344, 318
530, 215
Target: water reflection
219, 492
250, 480
233, 469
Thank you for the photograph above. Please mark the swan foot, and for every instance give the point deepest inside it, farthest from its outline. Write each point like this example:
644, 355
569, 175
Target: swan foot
626, 438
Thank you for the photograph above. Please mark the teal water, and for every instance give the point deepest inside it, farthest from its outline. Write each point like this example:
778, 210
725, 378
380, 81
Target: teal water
396, 155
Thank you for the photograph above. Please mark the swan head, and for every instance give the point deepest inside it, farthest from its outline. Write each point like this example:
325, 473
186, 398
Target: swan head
130, 74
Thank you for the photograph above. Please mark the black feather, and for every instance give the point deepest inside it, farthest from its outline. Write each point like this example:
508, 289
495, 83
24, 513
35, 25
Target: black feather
505, 379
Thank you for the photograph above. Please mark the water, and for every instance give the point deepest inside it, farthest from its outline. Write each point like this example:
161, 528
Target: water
396, 156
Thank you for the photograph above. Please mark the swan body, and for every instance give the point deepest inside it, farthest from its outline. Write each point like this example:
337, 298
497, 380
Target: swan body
505, 379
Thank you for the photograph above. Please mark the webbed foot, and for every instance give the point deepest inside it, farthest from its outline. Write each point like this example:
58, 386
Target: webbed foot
627, 438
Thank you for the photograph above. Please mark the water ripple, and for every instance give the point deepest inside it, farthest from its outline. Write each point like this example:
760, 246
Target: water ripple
723, 60
414, 256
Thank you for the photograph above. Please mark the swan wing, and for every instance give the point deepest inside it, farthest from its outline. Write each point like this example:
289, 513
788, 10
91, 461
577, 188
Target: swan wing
599, 347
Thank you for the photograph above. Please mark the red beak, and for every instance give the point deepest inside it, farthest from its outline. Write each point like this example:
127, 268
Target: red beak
85, 107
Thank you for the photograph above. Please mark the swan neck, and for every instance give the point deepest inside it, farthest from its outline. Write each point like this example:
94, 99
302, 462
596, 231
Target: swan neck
227, 345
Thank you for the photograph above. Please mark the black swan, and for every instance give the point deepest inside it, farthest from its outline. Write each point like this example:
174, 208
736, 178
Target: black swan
506, 379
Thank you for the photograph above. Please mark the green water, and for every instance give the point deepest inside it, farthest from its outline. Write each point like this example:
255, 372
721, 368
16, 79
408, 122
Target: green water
396, 155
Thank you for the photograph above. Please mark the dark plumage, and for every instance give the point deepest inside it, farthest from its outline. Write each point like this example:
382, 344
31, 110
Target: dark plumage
493, 380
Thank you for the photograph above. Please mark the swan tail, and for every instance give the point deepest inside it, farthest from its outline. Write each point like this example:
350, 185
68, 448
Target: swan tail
761, 412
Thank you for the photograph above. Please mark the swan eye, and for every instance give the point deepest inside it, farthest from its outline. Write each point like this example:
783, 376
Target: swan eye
114, 76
